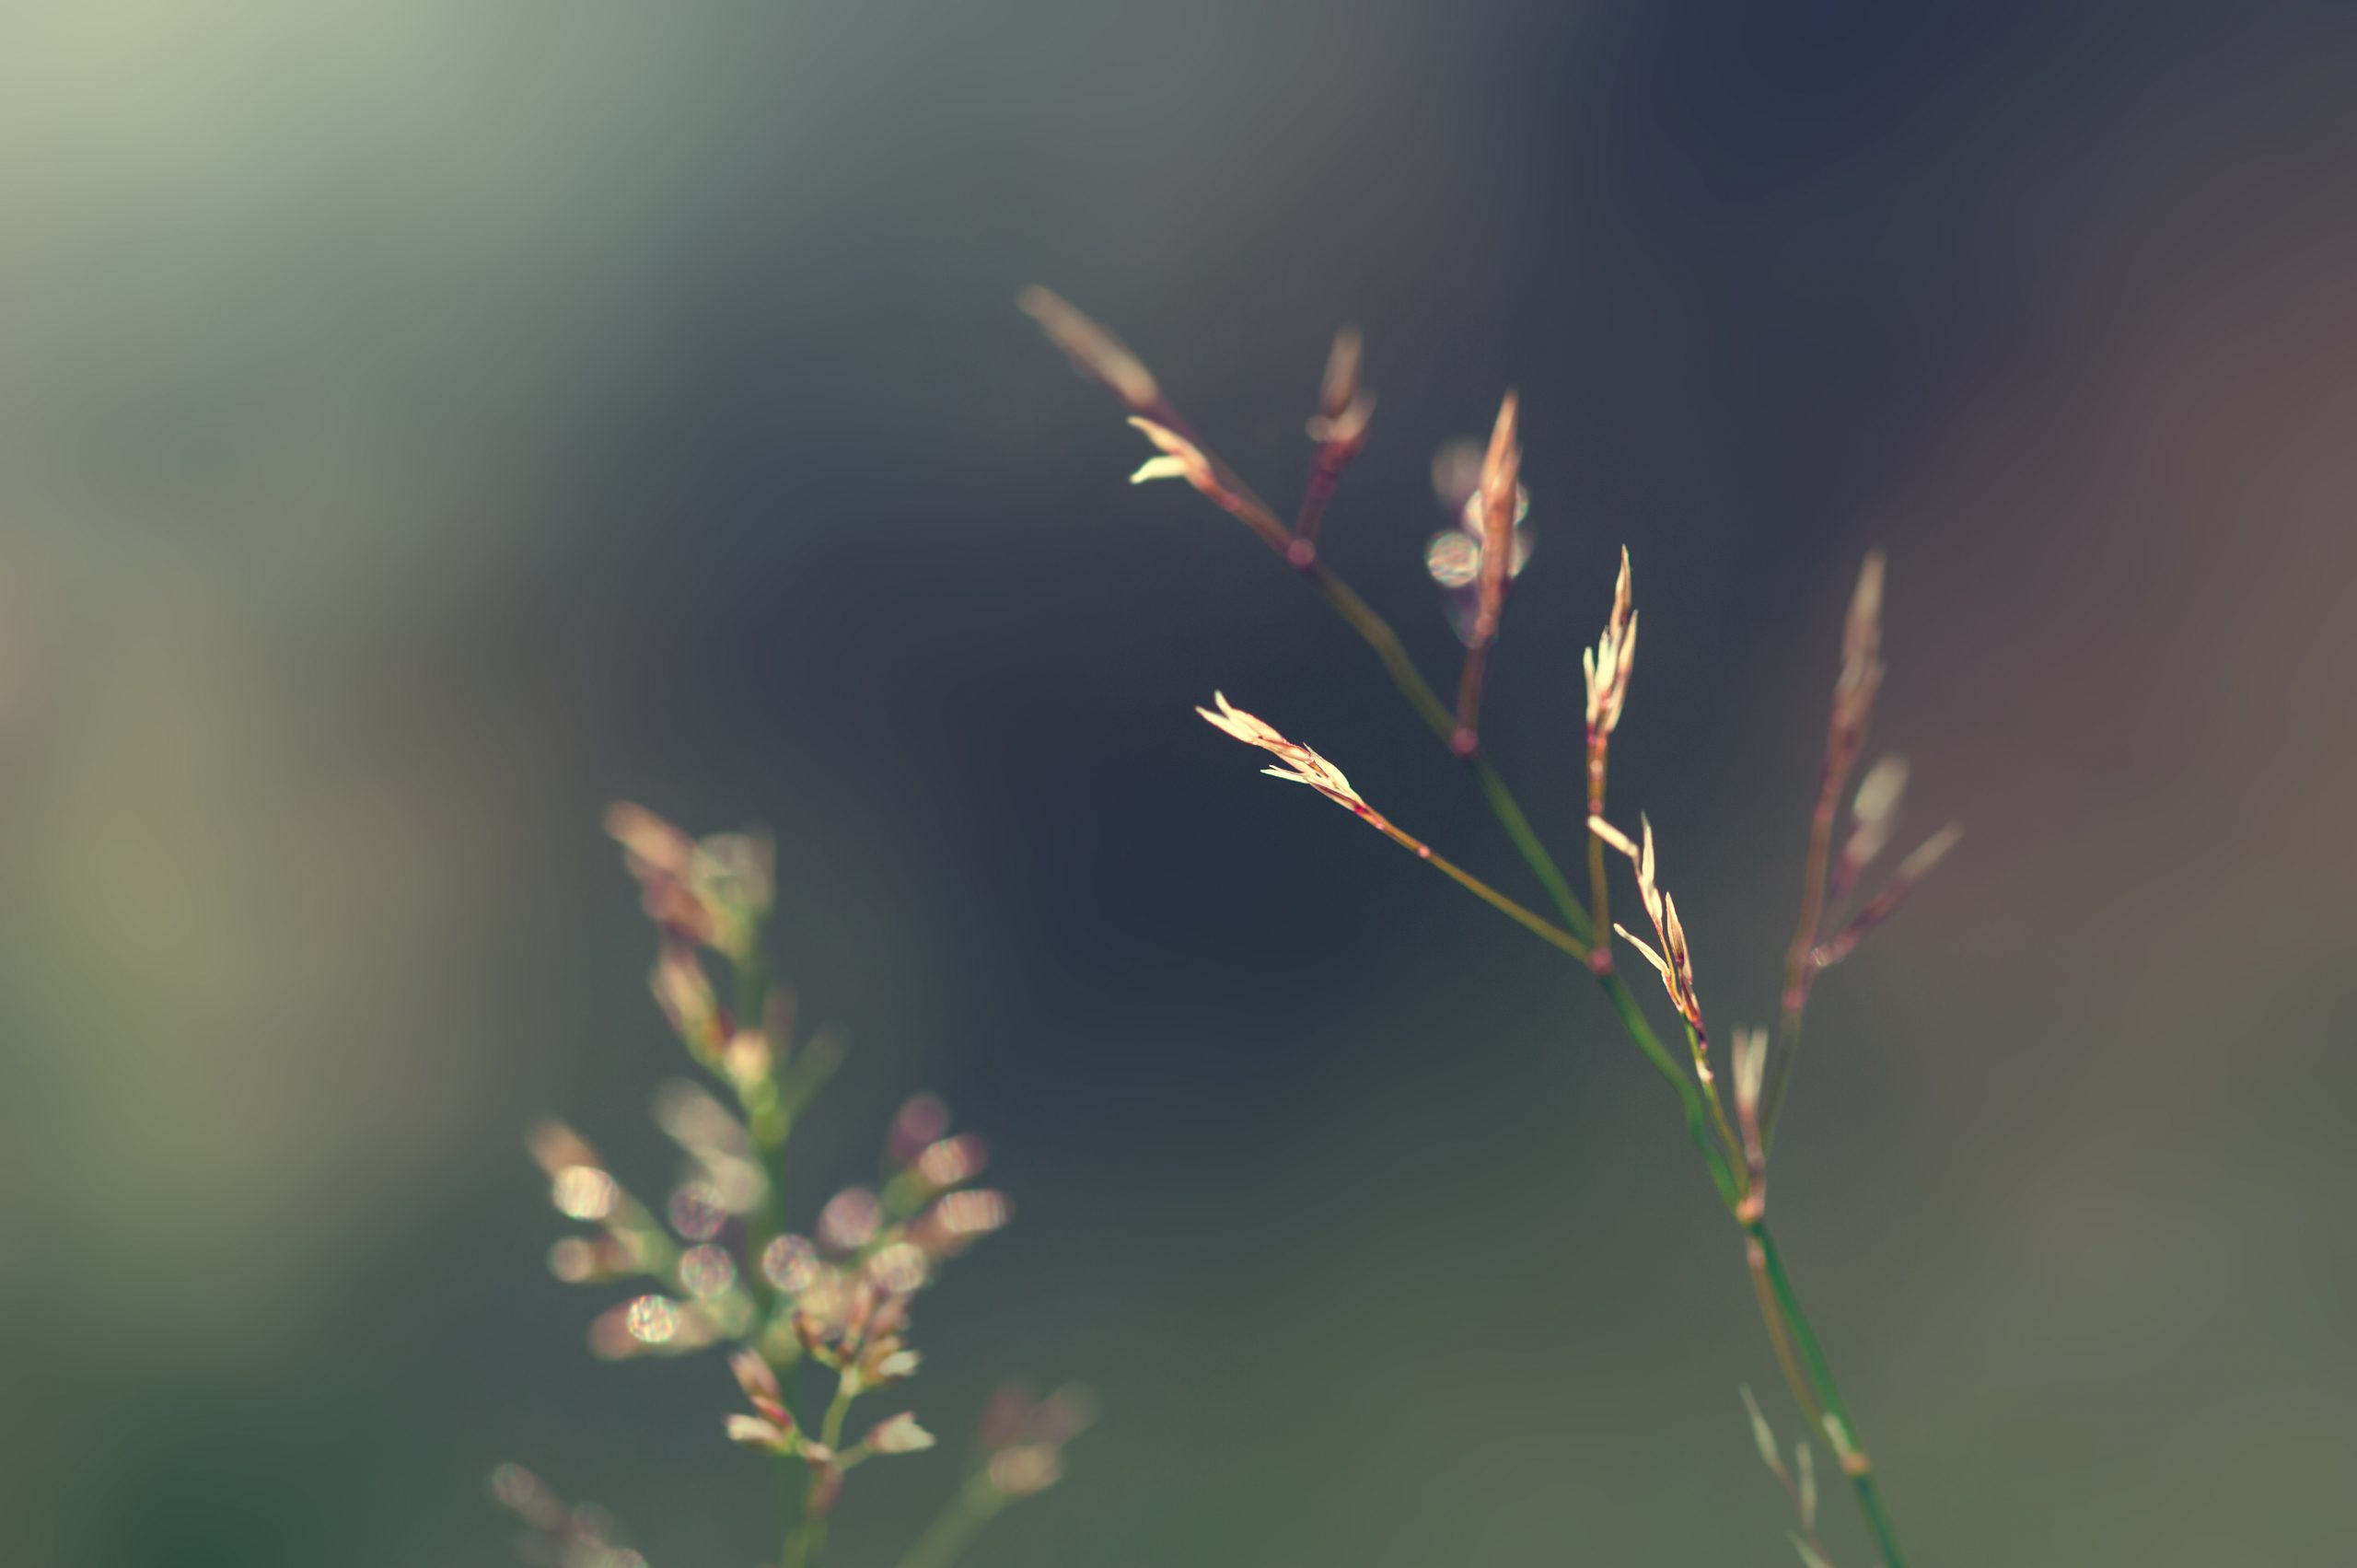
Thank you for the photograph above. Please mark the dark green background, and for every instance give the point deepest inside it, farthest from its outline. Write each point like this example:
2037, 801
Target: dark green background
422, 424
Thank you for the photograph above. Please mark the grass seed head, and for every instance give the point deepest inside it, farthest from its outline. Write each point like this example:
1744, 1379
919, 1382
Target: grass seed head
1606, 669
1500, 492
1302, 765
898, 1434
1094, 352
1673, 961
1862, 670
1344, 407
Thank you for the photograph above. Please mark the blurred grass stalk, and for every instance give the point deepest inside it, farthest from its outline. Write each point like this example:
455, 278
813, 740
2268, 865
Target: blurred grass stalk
1737, 1161
839, 1299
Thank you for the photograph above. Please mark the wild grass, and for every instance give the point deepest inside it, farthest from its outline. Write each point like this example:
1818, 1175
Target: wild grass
812, 1321
1732, 1124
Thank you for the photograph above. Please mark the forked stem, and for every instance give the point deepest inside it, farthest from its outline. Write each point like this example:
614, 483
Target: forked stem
1364, 619
1537, 925
1797, 1350
1788, 1328
804, 1543
1698, 1126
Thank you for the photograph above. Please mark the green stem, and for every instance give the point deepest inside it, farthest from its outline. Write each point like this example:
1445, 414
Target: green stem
1779, 1340
1388, 647
804, 1543
1698, 1126
1701, 1045
792, 1490
806, 1540
1839, 1431
830, 1427
752, 986
954, 1530
1437, 715
1525, 840
1536, 926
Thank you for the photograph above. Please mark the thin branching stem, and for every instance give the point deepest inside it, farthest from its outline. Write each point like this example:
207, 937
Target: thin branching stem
767, 1222
1698, 1128
1229, 490
1536, 924
1579, 939
830, 1426
1599, 898
1527, 843
1363, 618
1799, 966
1325, 476
976, 1503
1699, 1043
1467, 742
1835, 1416
803, 1545
1378, 632
1788, 1328
1779, 1337
1599, 891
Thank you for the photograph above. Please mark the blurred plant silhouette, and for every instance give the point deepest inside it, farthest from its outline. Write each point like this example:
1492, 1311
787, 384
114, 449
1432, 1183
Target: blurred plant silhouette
721, 1268
1475, 562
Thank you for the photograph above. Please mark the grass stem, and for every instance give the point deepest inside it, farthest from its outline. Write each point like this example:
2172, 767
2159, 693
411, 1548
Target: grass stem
954, 1528
1797, 961
802, 1545
1536, 924
1836, 1417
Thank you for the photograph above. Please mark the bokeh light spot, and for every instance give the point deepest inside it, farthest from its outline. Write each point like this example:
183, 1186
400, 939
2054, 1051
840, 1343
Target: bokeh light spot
583, 1192
652, 1320
706, 1272
900, 1268
847, 1222
790, 1263
697, 1211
